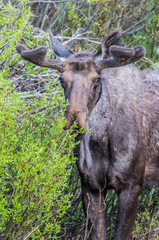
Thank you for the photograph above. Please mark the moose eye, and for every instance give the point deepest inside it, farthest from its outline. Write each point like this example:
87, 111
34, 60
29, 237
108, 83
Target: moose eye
95, 83
98, 79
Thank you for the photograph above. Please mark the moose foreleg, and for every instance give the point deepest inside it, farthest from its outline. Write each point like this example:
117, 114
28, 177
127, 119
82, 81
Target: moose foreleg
94, 206
128, 199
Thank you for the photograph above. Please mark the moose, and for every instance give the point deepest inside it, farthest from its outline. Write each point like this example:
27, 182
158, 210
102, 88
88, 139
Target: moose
120, 105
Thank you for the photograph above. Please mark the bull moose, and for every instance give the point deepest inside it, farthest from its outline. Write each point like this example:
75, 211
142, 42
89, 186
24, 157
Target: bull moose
120, 106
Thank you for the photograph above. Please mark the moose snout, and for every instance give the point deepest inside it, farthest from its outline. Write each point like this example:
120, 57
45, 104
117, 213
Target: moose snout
78, 116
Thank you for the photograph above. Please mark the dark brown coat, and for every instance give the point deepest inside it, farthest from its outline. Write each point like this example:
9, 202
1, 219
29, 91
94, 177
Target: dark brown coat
120, 106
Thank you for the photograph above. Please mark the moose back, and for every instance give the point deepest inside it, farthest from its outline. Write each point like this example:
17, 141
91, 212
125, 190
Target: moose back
120, 106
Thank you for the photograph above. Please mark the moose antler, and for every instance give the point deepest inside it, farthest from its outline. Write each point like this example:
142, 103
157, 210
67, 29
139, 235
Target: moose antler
38, 57
120, 56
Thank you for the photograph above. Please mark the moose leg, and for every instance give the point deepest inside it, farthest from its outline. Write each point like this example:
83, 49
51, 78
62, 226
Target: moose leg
94, 207
128, 199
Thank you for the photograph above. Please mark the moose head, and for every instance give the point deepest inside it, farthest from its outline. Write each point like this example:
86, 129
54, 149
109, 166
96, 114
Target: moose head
81, 73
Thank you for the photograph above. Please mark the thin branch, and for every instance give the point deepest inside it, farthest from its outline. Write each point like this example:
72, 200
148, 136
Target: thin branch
35, 228
46, 2
59, 13
36, 95
136, 24
70, 39
37, 110
134, 31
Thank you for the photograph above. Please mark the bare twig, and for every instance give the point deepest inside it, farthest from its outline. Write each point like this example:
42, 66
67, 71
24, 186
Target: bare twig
46, 2
59, 13
36, 228
70, 39
125, 32
37, 95
134, 31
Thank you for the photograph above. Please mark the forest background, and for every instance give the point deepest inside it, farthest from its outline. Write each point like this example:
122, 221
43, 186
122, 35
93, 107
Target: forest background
40, 196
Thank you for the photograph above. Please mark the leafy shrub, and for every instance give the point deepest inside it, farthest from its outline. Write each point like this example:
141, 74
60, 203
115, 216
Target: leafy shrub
35, 155
146, 224
35, 152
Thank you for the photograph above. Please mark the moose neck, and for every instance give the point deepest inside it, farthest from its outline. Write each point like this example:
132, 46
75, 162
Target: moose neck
118, 90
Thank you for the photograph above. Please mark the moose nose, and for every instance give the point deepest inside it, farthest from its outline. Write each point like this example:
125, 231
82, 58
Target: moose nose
77, 109
78, 116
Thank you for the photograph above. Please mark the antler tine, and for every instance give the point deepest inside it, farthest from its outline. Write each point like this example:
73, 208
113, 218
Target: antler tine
38, 57
140, 52
119, 52
120, 56
113, 39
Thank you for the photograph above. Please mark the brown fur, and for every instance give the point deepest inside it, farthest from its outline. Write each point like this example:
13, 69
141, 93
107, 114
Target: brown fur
122, 149
120, 106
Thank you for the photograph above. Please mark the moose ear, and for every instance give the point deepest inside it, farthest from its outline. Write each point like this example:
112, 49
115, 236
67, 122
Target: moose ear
113, 38
57, 48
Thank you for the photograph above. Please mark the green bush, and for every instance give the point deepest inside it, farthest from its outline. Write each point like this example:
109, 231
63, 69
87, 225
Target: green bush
35, 155
35, 152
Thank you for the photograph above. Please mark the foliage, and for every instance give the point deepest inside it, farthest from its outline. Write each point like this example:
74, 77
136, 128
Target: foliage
148, 214
35, 152
35, 156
